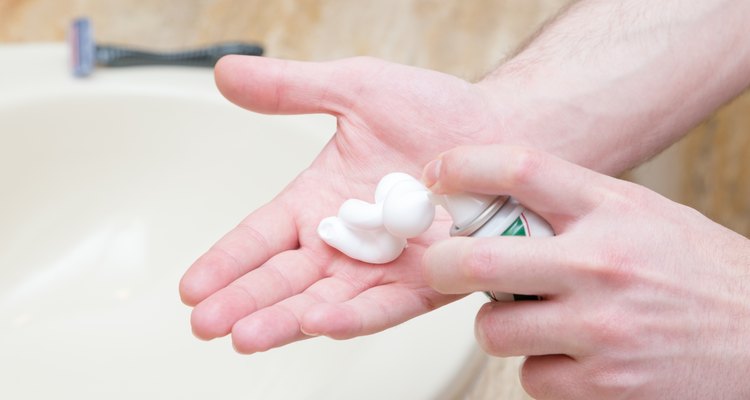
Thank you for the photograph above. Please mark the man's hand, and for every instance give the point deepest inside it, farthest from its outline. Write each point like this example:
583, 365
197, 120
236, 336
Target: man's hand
605, 85
643, 298
271, 280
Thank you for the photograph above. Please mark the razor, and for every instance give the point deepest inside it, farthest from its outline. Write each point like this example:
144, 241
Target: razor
86, 54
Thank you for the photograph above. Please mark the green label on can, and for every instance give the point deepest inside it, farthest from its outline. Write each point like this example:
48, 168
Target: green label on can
517, 228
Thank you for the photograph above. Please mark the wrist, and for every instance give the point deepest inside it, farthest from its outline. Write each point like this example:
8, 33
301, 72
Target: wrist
532, 111
611, 107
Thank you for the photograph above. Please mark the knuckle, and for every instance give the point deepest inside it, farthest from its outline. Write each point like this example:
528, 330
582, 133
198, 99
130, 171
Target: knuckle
490, 338
626, 198
608, 329
523, 166
608, 379
610, 263
478, 262
615, 268
452, 164
535, 382
500, 335
601, 378
601, 331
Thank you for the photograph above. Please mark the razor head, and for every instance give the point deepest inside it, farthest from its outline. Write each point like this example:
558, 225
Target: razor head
82, 47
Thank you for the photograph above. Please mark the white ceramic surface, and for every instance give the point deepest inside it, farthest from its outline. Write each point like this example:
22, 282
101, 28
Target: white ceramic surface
109, 189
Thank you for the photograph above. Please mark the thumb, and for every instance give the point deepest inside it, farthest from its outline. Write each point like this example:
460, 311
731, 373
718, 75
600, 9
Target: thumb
274, 86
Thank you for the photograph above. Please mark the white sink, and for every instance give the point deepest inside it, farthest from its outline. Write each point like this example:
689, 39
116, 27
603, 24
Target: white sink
109, 188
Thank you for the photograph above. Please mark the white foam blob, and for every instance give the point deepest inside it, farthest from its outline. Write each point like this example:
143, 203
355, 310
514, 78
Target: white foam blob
371, 246
376, 233
361, 214
407, 210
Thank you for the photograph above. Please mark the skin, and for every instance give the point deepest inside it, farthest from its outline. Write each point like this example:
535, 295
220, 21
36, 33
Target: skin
604, 85
271, 280
644, 298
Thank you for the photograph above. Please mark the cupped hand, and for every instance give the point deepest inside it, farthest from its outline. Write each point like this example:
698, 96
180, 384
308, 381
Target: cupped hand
271, 280
643, 298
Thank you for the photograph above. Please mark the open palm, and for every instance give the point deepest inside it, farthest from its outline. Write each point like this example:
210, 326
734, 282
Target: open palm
271, 280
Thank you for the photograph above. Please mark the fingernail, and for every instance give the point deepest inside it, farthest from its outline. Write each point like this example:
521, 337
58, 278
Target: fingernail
431, 173
311, 334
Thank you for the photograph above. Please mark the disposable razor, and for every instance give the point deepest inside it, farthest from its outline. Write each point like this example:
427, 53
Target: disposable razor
86, 54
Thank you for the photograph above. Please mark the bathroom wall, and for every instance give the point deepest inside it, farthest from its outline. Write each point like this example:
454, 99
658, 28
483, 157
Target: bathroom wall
708, 170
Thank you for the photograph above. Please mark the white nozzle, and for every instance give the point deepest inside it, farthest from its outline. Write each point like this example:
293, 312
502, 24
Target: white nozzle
463, 207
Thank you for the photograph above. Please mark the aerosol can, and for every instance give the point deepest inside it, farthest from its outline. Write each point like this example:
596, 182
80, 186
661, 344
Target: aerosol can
486, 216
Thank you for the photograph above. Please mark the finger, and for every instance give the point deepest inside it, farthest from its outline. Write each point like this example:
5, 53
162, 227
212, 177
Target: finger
279, 324
526, 328
372, 311
548, 185
283, 276
263, 234
523, 265
266, 329
552, 377
276, 86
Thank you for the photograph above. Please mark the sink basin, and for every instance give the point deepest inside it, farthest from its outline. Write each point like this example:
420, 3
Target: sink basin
111, 187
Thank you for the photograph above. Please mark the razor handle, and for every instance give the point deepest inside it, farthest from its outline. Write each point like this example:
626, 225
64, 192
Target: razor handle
112, 56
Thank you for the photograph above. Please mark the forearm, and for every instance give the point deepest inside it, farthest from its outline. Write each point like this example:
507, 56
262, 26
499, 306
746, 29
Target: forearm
608, 84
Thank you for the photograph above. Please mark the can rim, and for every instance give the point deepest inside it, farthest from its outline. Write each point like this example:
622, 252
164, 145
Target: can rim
481, 219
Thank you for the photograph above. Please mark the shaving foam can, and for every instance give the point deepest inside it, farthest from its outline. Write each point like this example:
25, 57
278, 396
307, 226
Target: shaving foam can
504, 216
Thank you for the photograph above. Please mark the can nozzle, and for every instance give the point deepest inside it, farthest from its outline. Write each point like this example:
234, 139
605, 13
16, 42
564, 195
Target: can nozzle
464, 208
